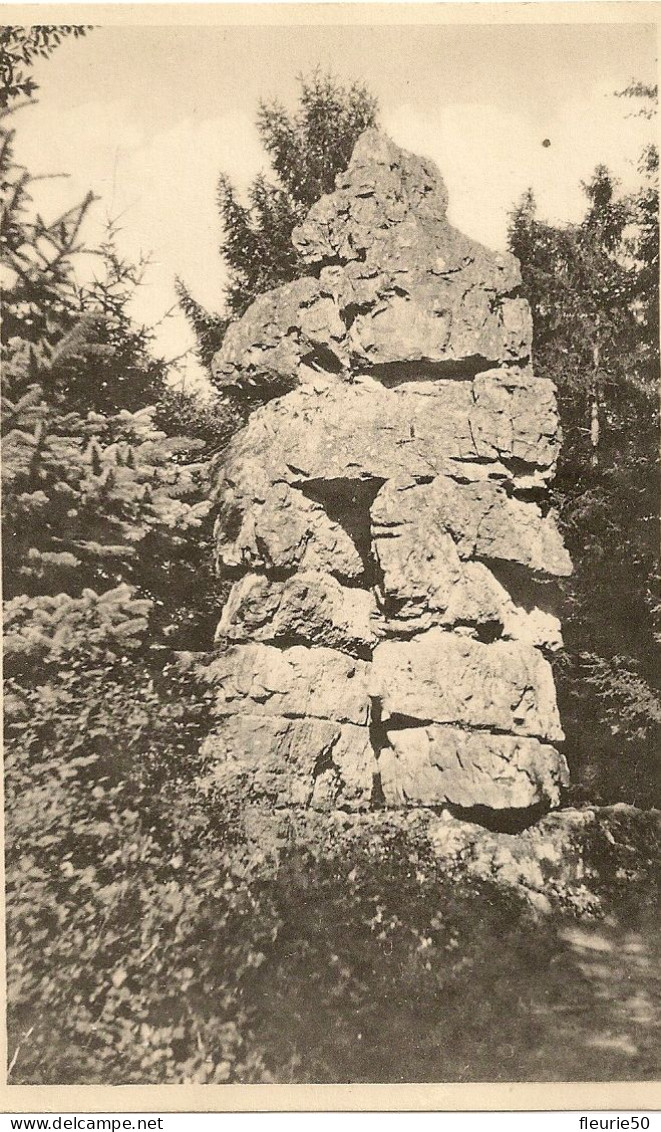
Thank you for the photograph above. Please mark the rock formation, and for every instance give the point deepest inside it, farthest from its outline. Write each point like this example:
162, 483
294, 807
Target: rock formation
385, 642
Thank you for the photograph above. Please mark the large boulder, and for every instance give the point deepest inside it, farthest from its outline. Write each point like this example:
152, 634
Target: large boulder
294, 682
277, 528
427, 536
282, 763
442, 677
433, 765
331, 432
417, 289
313, 608
393, 285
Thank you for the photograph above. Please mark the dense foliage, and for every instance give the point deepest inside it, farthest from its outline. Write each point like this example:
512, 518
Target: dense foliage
593, 288
95, 492
107, 574
307, 150
165, 959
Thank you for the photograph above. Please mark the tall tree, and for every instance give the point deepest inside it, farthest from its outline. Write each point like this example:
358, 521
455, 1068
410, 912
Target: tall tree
112, 366
307, 150
95, 493
107, 575
593, 288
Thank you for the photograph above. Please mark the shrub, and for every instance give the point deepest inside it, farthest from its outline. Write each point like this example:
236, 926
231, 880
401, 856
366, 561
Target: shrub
122, 908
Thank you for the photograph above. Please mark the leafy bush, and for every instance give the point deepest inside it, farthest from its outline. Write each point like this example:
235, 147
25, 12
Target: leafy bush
115, 879
386, 968
168, 959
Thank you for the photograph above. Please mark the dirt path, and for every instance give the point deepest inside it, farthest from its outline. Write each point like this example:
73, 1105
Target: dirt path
614, 1032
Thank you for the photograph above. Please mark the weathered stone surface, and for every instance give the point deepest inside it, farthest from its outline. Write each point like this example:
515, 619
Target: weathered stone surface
281, 530
393, 596
433, 765
515, 416
409, 288
330, 431
312, 607
537, 627
283, 330
321, 683
422, 291
566, 860
441, 677
422, 531
481, 605
384, 187
291, 762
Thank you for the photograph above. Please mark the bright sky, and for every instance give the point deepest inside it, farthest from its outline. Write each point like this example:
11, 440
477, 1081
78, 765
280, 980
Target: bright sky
148, 116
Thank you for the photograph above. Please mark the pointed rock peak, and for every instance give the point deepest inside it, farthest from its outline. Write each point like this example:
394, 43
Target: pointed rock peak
383, 188
377, 163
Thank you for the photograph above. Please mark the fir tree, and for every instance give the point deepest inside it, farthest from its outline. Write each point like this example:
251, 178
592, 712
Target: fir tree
20, 46
593, 288
209, 328
307, 150
95, 493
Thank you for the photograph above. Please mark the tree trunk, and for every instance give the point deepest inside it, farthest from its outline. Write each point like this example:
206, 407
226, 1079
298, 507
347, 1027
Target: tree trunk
594, 428
595, 424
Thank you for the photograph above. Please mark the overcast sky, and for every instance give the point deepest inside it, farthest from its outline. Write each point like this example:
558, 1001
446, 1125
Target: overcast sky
148, 117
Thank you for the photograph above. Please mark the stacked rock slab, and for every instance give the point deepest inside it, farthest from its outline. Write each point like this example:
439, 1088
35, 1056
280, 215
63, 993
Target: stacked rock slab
385, 641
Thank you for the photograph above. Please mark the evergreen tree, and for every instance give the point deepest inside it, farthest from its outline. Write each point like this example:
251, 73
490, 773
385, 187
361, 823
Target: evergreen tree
20, 46
209, 328
92, 356
95, 494
107, 532
593, 288
307, 150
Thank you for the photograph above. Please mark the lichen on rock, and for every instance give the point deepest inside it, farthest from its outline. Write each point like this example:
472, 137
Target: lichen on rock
383, 517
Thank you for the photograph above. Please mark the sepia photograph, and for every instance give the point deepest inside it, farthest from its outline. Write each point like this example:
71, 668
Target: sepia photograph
330, 545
